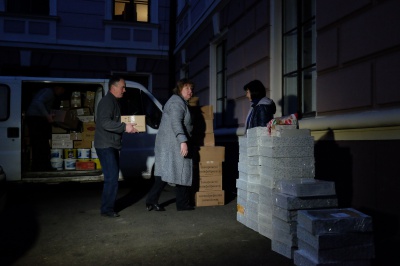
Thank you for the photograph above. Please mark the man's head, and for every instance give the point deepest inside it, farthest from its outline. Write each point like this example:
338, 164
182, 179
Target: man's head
116, 86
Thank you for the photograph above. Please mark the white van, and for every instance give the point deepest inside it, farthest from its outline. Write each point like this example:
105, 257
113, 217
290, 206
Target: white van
16, 93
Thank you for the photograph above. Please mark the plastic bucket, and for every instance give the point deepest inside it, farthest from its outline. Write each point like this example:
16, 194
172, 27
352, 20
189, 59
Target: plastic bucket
69, 164
69, 153
56, 153
83, 153
57, 163
93, 153
97, 162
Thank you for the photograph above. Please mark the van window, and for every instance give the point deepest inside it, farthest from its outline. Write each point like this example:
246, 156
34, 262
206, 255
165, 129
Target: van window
4, 102
136, 102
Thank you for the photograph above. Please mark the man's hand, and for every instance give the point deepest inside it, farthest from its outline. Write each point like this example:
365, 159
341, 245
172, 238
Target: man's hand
130, 128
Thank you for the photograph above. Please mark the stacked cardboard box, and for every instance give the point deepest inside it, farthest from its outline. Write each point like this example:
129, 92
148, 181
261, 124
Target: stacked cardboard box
334, 237
210, 192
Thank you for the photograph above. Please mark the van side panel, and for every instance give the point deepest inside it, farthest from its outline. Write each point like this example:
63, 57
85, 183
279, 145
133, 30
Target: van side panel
10, 133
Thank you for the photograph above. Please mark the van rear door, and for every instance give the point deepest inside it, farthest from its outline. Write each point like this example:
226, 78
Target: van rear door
10, 128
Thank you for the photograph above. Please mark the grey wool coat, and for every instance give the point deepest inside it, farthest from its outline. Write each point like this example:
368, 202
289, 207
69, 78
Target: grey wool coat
175, 128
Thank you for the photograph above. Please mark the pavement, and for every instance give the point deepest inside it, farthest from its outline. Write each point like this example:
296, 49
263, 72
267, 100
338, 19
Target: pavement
60, 224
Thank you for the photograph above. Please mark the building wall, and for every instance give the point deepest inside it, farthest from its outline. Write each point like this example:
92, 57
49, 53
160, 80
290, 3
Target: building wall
79, 40
357, 122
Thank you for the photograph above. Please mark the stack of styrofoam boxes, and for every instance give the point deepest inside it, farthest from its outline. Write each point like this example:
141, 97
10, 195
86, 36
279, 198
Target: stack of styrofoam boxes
334, 237
248, 184
291, 195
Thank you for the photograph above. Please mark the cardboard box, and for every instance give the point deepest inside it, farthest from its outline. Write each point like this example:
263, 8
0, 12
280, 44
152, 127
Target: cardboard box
209, 125
209, 153
66, 119
209, 139
60, 137
62, 144
210, 198
210, 168
210, 183
140, 121
75, 136
89, 165
82, 144
207, 112
194, 101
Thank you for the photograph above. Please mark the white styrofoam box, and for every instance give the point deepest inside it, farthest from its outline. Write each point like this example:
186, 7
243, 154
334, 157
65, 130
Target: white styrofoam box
287, 172
254, 178
253, 187
252, 224
242, 141
265, 231
243, 150
295, 203
253, 160
253, 197
287, 162
267, 201
266, 181
251, 214
249, 169
257, 131
252, 206
289, 227
332, 240
265, 209
271, 141
252, 151
284, 214
290, 133
60, 137
252, 141
286, 152
243, 157
302, 258
337, 220
243, 176
289, 239
329, 255
241, 184
266, 191
282, 248
265, 220
306, 187
242, 194
241, 201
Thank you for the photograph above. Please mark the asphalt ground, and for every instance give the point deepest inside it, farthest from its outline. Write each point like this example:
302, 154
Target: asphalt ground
60, 224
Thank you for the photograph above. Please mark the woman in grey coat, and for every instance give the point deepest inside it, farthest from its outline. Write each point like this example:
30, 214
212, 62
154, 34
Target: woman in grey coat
173, 159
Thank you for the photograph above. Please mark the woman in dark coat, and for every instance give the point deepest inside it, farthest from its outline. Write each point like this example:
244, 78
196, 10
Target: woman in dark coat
173, 163
262, 108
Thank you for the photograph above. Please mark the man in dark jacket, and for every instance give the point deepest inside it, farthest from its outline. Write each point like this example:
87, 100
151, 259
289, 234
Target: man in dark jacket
262, 108
107, 141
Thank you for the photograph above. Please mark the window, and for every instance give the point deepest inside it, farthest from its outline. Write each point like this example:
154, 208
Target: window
221, 104
4, 102
299, 62
131, 10
28, 7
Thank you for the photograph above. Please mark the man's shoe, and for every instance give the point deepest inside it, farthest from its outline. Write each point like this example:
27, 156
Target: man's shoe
186, 208
156, 207
110, 214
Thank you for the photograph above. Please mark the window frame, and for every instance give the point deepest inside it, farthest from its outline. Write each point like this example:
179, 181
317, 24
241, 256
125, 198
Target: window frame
300, 95
133, 4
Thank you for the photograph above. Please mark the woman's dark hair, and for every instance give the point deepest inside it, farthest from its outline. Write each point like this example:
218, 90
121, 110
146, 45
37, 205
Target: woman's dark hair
180, 84
256, 88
